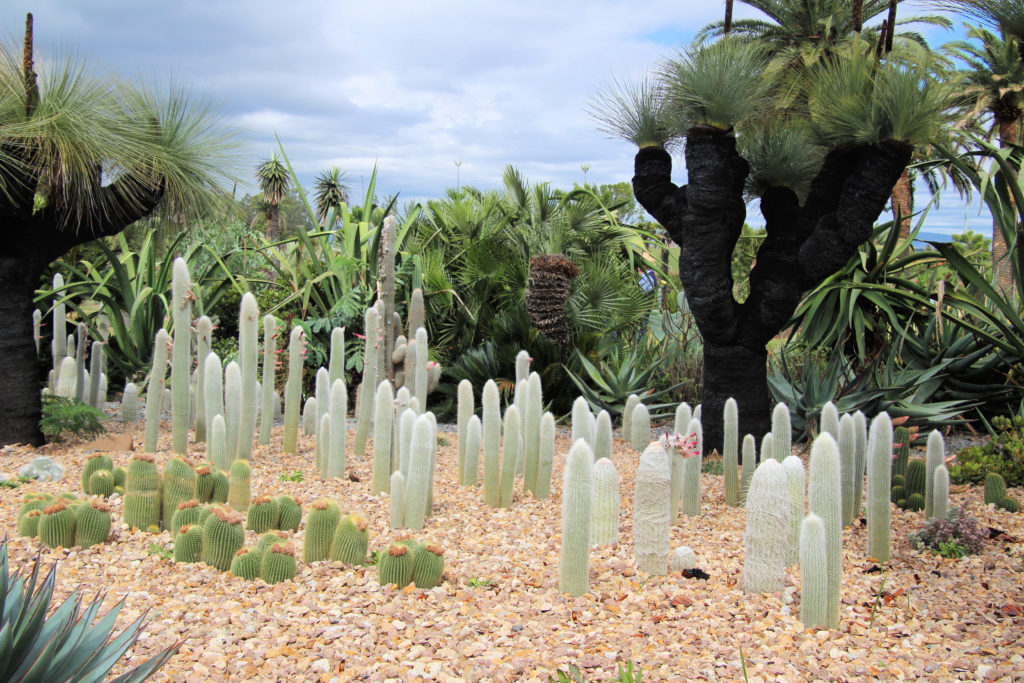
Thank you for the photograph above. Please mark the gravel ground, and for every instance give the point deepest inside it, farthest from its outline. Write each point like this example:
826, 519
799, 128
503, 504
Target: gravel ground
498, 616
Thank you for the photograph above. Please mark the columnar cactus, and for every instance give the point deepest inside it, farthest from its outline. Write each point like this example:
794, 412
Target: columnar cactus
223, 536
394, 566
829, 421
848, 466
511, 454
155, 390
940, 493
57, 525
213, 398
814, 579
794, 468
351, 540
130, 403
602, 435
322, 438
217, 449
574, 562
465, 411
267, 385
471, 461
142, 493
204, 340
238, 486
58, 346
492, 444
321, 524
278, 563
546, 458
860, 437
824, 499
582, 421
293, 390
691, 474
682, 417
782, 433
188, 544
627, 416
66, 378
365, 412
749, 461
651, 518
730, 452
522, 366
397, 500
80, 378
96, 398
309, 417
768, 510
263, 514
336, 364
418, 482
604, 504
420, 393
383, 415
640, 427
181, 365
879, 460
248, 331
179, 485
232, 406
531, 430
405, 426
322, 390
935, 455
901, 451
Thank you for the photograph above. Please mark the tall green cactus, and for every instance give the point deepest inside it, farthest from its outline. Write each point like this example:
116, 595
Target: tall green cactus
232, 406
267, 385
95, 398
248, 331
80, 379
651, 515
179, 485
465, 411
782, 433
155, 390
365, 406
492, 444
204, 340
418, 482
935, 456
768, 510
574, 559
796, 477
293, 390
383, 415
511, 454
321, 524
142, 493
814, 578
730, 452
322, 438
238, 486
322, 384
901, 451
824, 499
338, 410
181, 366
879, 461
604, 504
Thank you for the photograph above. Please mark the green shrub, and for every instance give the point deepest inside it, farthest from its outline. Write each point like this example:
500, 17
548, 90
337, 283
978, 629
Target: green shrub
956, 536
1003, 455
62, 415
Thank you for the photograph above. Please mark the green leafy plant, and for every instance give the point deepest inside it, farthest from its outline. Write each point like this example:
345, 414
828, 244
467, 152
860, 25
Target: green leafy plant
66, 645
1003, 454
295, 476
956, 536
952, 550
160, 551
478, 583
630, 673
10, 483
66, 415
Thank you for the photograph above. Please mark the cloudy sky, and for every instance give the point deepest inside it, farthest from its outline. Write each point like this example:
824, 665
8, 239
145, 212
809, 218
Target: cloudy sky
433, 92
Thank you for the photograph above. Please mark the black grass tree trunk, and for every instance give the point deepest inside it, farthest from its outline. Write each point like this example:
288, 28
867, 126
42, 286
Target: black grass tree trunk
804, 244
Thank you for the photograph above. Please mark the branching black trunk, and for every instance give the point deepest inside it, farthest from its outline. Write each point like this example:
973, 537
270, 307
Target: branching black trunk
804, 245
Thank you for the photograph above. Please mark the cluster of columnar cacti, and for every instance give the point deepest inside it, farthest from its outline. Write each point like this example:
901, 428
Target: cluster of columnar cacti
333, 536
407, 561
64, 521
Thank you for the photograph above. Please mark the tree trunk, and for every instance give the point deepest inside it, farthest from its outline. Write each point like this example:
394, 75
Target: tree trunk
902, 199
1002, 268
19, 401
274, 223
740, 372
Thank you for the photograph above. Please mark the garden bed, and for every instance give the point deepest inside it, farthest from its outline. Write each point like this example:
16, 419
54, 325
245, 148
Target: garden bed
498, 616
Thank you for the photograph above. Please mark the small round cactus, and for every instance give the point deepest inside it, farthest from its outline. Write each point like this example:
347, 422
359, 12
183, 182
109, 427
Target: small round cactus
188, 544
246, 564
395, 566
278, 563
428, 566
92, 525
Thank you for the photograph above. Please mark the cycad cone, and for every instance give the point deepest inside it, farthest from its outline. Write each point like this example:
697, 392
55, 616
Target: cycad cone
395, 566
92, 526
652, 516
321, 524
263, 515
768, 510
605, 503
351, 540
223, 535
813, 573
824, 499
428, 566
278, 564
246, 564
574, 564
188, 544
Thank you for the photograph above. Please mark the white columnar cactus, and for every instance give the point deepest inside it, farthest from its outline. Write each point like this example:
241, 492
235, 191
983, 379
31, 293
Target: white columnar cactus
574, 560
768, 509
531, 430
848, 466
293, 390
397, 500
547, 456
782, 433
204, 339
830, 420
522, 366
232, 405
935, 455
640, 428
603, 436
130, 403
749, 451
213, 388
420, 392
383, 414
879, 481
794, 468
155, 389
181, 365
465, 411
248, 360
581, 421
651, 516
338, 410
365, 404
336, 364
417, 483
813, 573
605, 504
474, 435
824, 499
492, 444
730, 452
691, 473
940, 493
683, 416
860, 436
512, 452
267, 386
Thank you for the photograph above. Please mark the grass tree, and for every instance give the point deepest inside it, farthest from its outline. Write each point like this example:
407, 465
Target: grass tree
83, 155
274, 180
822, 171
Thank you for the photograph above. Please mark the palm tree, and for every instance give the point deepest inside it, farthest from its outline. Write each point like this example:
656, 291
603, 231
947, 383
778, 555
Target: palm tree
83, 155
329, 192
274, 181
1007, 15
994, 82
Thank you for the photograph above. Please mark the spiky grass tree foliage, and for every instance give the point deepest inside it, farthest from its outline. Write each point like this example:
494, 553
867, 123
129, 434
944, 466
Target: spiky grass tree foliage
83, 155
634, 111
864, 118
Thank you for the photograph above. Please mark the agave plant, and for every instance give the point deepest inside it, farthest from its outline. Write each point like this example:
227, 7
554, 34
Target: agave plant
66, 645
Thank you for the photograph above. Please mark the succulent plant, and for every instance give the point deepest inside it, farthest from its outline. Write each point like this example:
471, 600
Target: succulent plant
879, 463
155, 390
651, 515
142, 493
263, 514
321, 524
187, 514
238, 485
246, 564
428, 566
394, 566
223, 535
768, 510
824, 499
95, 462
491, 427
351, 540
181, 365
683, 558
604, 504
278, 563
92, 524
57, 525
814, 601
577, 482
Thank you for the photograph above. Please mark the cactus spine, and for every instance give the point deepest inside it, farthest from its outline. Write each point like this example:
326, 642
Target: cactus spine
383, 416
155, 390
365, 405
546, 458
80, 378
238, 486
248, 331
465, 411
492, 444
768, 509
512, 453
640, 427
293, 390
232, 406
782, 433
794, 468
181, 367
730, 452
848, 466
321, 524
418, 481
879, 461
935, 456
824, 499
605, 503
574, 562
651, 515
814, 596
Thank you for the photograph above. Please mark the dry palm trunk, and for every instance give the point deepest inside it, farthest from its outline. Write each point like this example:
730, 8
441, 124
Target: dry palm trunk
902, 199
1007, 118
547, 293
